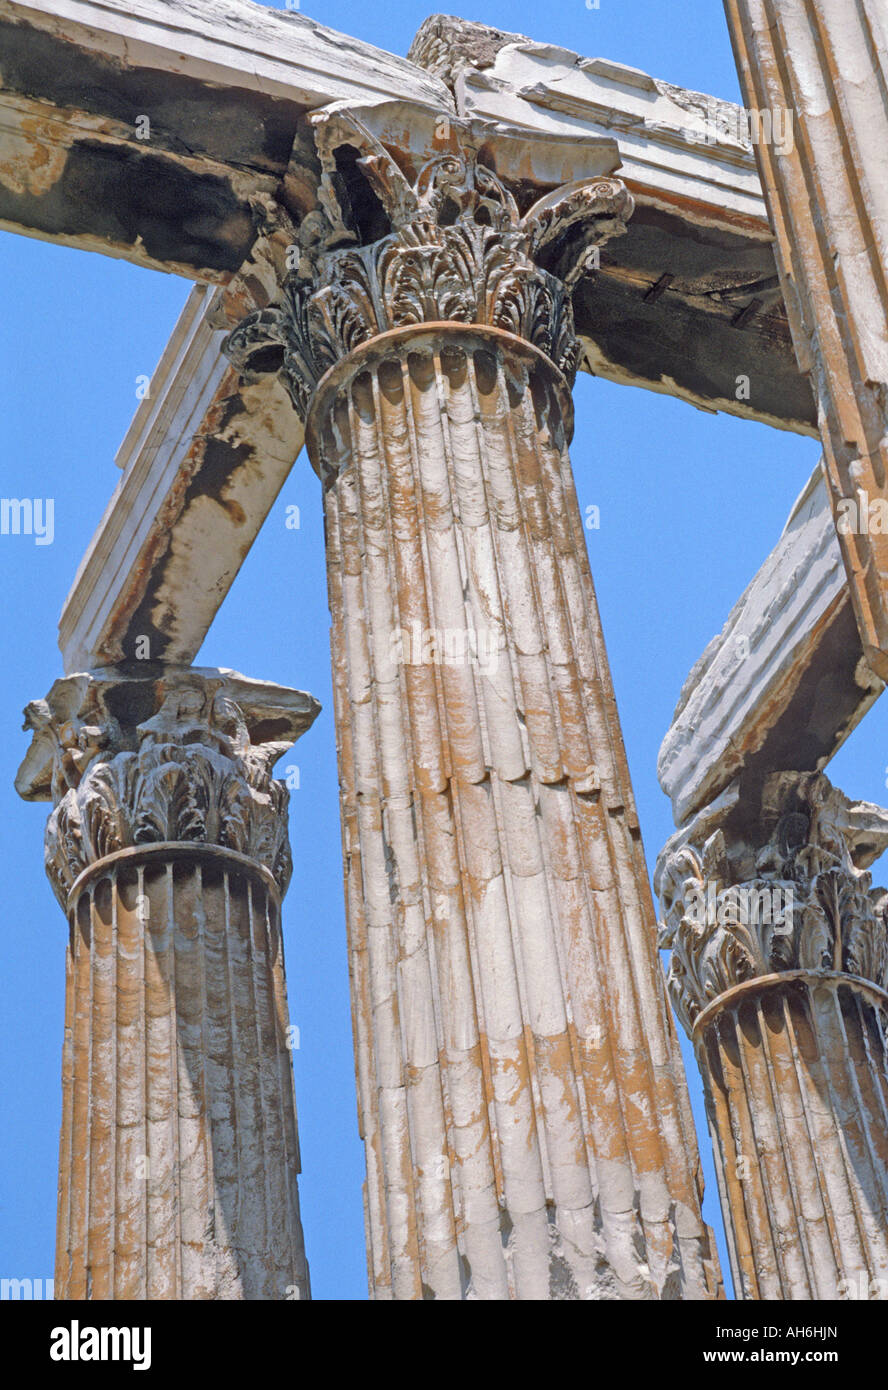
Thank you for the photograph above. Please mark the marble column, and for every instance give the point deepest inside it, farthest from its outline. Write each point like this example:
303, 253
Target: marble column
779, 972
521, 1097
817, 71
167, 848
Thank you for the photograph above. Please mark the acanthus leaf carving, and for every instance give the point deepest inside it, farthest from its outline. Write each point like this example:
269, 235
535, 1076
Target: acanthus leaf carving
182, 769
458, 250
780, 885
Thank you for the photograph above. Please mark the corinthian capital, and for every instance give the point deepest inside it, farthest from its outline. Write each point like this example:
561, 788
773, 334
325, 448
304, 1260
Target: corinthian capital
768, 881
180, 754
450, 241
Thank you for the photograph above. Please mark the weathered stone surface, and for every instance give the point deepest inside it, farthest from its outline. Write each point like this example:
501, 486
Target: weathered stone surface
672, 141
797, 846
828, 200
223, 134
778, 972
688, 302
206, 454
222, 83
178, 1153
458, 249
203, 462
291, 55
501, 956
131, 759
444, 45
167, 847
508, 1008
508, 1011
660, 312
785, 681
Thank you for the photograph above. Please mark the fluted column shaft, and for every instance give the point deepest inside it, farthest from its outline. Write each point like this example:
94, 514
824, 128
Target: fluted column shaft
778, 972
521, 1099
824, 63
797, 1097
178, 1155
168, 849
525, 1117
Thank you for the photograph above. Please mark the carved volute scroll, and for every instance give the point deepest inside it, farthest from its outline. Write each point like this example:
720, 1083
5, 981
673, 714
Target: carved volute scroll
181, 755
782, 885
383, 251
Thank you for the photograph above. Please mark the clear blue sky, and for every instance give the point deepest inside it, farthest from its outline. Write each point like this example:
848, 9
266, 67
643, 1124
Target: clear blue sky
690, 505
